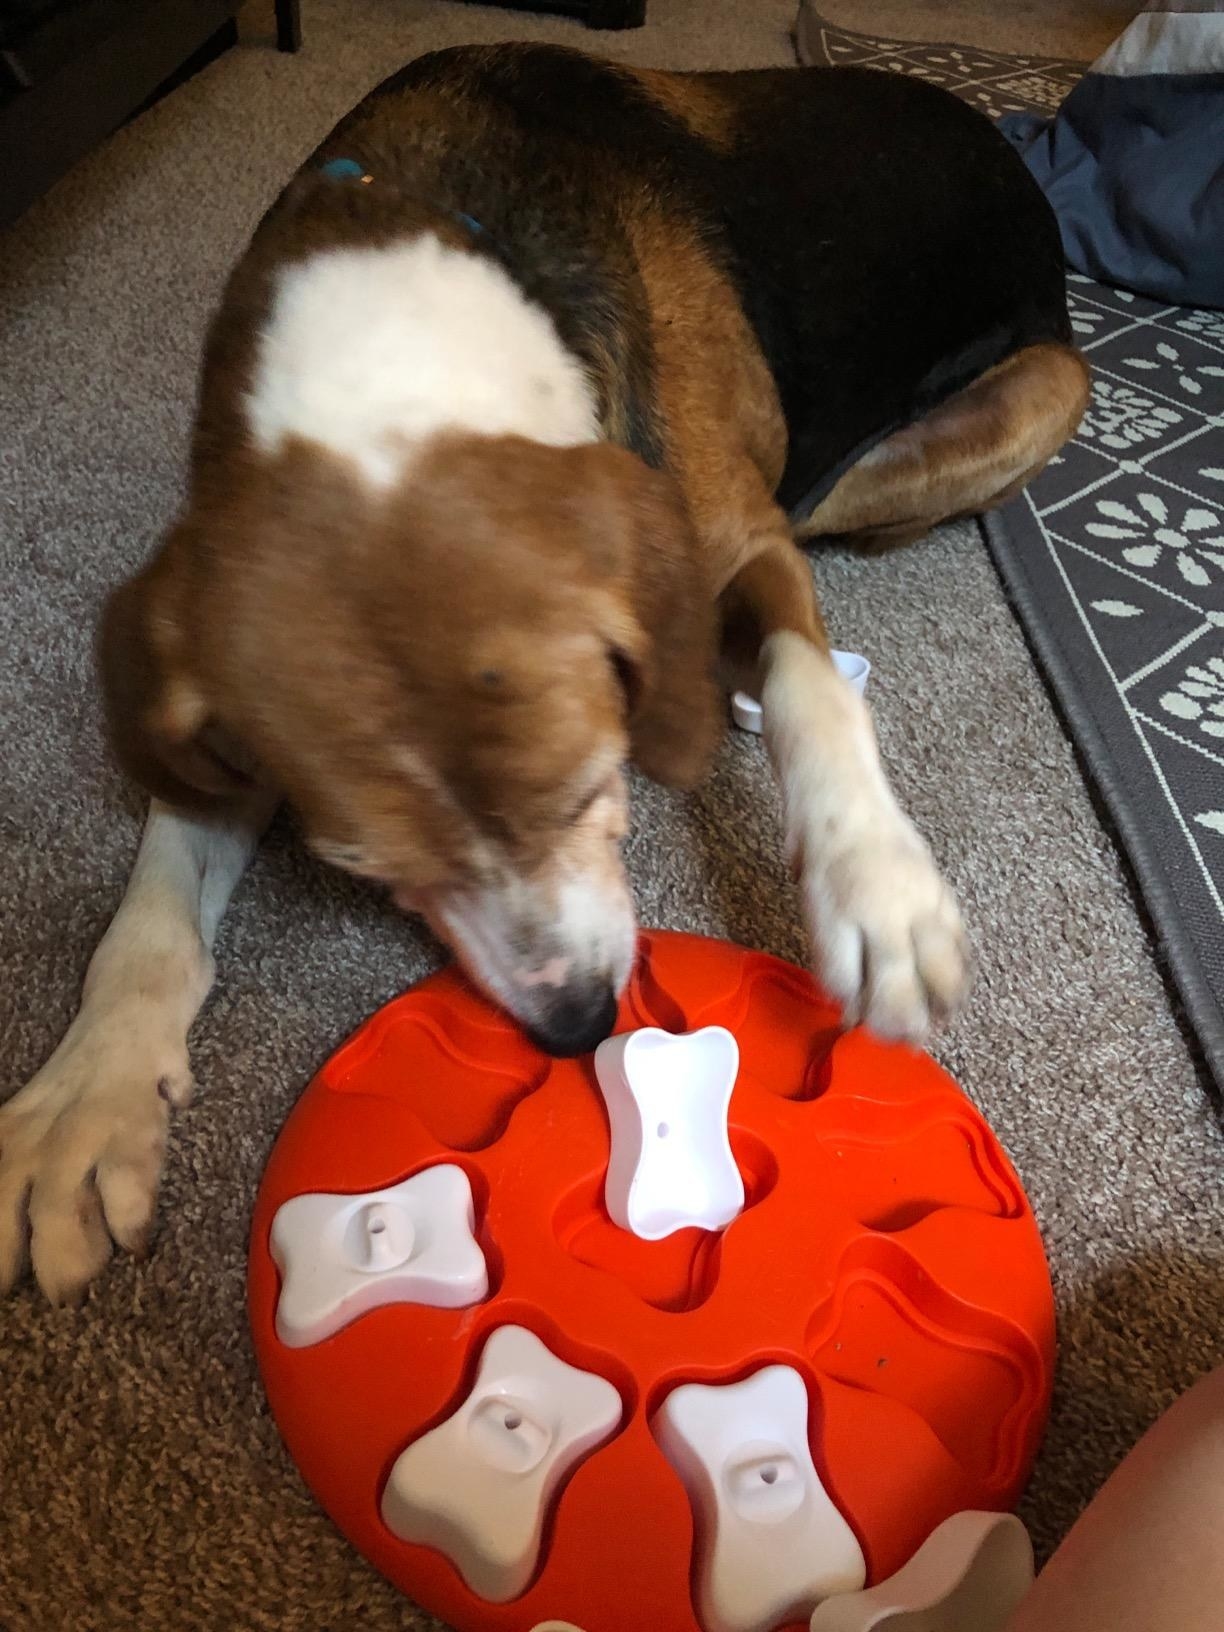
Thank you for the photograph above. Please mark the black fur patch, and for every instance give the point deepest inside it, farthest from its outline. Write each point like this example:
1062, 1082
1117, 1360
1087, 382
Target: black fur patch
887, 243
891, 247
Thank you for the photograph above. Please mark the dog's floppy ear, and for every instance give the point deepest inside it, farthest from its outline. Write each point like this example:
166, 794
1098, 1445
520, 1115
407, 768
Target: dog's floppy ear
156, 709
663, 632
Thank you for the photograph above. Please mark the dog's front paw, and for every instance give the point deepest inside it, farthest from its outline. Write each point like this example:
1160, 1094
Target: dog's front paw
81, 1147
885, 928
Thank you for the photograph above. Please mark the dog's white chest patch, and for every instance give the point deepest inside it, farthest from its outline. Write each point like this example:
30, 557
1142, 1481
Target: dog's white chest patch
369, 351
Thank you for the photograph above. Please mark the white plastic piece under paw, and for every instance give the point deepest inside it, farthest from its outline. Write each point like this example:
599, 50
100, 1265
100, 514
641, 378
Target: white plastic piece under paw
671, 1165
746, 711
971, 1572
342, 1255
771, 1543
478, 1486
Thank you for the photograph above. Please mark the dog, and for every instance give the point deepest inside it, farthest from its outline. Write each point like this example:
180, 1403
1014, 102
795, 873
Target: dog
510, 419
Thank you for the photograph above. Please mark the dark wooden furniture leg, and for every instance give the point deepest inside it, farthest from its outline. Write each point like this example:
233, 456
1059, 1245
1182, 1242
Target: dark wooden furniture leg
288, 25
594, 13
616, 13
52, 118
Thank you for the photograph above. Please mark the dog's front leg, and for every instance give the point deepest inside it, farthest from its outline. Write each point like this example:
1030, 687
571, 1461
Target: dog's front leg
81, 1146
885, 929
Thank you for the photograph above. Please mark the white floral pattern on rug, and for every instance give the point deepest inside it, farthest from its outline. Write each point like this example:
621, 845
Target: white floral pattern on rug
1087, 321
1205, 325
1193, 538
1124, 295
1122, 418
1191, 377
1046, 90
994, 82
1198, 697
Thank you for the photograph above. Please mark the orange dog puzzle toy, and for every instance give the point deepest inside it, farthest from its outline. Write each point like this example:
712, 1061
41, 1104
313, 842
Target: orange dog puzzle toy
692, 1335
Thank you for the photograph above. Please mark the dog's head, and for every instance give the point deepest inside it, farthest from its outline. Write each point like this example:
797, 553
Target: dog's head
446, 680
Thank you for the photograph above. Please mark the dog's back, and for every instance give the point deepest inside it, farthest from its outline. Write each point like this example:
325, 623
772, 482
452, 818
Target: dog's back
886, 243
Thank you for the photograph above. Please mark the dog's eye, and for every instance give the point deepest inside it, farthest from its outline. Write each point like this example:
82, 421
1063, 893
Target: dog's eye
629, 677
498, 827
577, 811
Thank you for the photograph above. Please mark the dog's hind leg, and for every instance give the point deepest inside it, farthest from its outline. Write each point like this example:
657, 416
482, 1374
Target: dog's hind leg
974, 451
81, 1146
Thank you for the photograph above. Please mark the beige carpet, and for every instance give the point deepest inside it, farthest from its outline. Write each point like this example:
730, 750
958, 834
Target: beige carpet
1080, 29
142, 1484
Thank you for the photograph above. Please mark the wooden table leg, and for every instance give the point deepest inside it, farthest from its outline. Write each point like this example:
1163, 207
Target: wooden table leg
616, 13
288, 25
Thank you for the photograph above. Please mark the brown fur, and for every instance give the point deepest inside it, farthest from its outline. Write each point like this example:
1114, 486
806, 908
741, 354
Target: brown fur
398, 639
695, 103
514, 608
977, 450
724, 432
726, 443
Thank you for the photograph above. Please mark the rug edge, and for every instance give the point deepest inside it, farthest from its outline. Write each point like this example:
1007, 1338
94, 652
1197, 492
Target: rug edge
1176, 948
810, 15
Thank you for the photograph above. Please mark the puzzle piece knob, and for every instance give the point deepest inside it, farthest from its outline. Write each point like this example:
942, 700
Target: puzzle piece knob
479, 1486
771, 1545
381, 1237
342, 1255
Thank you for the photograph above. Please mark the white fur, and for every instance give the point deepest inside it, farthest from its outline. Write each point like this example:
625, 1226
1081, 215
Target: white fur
83, 1141
579, 910
596, 914
370, 351
588, 919
884, 926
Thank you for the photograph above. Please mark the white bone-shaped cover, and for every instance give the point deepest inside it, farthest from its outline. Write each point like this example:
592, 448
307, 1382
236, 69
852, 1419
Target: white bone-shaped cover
747, 713
671, 1165
971, 1572
478, 1487
342, 1255
771, 1545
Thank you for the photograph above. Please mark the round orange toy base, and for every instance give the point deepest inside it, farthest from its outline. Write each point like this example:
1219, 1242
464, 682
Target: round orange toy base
886, 1251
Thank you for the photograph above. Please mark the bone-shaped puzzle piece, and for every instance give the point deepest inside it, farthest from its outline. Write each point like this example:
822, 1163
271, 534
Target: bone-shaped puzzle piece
747, 712
342, 1255
771, 1544
478, 1487
972, 1571
667, 1096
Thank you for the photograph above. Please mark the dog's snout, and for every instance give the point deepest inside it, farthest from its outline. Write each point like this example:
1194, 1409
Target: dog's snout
576, 1021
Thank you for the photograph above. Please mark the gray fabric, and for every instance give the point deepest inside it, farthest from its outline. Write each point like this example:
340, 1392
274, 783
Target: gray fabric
1168, 37
1131, 162
1132, 170
143, 1487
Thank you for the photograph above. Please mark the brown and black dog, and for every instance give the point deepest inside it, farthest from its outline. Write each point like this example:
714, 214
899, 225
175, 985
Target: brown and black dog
509, 419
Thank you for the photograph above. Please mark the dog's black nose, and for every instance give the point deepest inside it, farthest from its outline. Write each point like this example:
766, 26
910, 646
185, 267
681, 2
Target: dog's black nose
576, 1022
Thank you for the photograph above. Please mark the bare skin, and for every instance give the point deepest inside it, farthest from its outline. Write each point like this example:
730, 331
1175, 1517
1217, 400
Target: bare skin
1146, 1555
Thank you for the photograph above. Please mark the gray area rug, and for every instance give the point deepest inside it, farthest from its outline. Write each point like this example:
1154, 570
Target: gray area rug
997, 82
1114, 557
143, 1487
